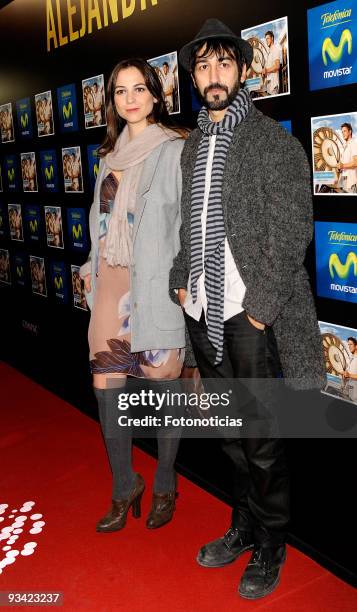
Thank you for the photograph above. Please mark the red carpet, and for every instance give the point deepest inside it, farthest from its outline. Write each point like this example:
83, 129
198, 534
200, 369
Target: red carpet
53, 455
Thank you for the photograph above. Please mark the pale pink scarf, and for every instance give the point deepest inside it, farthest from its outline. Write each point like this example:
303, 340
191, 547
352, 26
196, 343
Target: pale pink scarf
128, 157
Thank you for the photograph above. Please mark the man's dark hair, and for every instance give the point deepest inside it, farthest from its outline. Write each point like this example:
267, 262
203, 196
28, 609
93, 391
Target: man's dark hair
270, 33
219, 47
165, 64
348, 126
351, 339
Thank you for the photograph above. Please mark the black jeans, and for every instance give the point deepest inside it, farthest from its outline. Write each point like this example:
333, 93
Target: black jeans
261, 484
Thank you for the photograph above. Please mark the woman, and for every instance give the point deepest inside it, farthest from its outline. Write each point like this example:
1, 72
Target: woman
135, 329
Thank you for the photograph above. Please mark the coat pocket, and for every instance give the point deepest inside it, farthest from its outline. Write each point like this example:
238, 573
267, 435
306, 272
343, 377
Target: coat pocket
166, 315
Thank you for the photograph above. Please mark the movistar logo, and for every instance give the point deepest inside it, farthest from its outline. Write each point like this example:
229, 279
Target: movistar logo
342, 270
11, 175
33, 226
95, 170
24, 120
58, 282
19, 271
335, 53
49, 173
77, 231
67, 110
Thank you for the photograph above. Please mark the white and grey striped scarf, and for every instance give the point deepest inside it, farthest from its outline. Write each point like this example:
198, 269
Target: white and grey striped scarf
213, 264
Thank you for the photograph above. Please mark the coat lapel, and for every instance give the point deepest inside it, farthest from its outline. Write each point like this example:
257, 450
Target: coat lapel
146, 178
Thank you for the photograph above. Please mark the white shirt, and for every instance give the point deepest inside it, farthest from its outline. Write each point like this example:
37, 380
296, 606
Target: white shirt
349, 176
272, 77
234, 288
352, 384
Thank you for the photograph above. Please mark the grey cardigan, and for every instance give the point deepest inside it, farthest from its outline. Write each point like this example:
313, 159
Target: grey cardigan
155, 322
267, 208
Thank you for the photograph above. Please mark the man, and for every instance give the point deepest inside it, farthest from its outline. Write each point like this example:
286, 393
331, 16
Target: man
168, 84
351, 372
348, 165
272, 66
246, 223
97, 104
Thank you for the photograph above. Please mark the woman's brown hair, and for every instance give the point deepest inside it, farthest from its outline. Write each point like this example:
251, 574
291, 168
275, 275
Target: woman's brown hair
159, 113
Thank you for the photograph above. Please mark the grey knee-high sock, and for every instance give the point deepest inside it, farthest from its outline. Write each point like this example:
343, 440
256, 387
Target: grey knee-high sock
165, 474
119, 448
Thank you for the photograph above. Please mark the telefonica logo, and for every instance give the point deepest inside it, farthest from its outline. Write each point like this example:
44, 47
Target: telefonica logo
24, 120
33, 226
67, 110
331, 18
58, 282
342, 269
335, 53
11, 175
341, 236
49, 173
19, 271
95, 170
77, 231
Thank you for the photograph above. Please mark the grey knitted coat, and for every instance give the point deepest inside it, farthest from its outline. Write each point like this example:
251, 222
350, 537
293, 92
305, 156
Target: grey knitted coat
267, 207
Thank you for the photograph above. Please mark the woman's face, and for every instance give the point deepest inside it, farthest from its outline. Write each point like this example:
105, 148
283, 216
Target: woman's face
133, 101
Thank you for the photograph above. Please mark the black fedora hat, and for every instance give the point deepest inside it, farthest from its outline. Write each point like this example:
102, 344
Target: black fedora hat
213, 28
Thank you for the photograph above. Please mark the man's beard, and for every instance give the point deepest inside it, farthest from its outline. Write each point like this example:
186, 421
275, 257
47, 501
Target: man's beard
218, 104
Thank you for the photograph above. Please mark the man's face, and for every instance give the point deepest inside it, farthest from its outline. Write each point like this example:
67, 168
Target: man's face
165, 68
217, 79
346, 133
352, 346
269, 40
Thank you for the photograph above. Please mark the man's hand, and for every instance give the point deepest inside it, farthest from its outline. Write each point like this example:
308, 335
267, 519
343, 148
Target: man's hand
255, 323
87, 283
181, 294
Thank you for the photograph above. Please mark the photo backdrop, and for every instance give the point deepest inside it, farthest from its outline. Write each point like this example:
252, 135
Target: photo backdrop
52, 115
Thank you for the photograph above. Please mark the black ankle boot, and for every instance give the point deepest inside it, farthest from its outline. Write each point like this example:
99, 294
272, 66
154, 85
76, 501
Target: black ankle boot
226, 549
262, 573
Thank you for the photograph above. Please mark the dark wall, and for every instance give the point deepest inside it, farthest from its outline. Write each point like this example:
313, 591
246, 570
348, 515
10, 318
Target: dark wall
48, 341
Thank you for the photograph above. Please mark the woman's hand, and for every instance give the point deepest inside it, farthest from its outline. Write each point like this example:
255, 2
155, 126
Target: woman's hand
255, 323
87, 283
181, 294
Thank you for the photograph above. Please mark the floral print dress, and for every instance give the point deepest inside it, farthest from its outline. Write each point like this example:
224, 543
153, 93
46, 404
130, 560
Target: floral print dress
109, 328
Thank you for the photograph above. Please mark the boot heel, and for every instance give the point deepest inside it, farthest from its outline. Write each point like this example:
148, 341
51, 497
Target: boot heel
136, 506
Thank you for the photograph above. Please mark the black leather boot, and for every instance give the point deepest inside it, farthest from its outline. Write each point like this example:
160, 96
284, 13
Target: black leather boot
226, 549
262, 573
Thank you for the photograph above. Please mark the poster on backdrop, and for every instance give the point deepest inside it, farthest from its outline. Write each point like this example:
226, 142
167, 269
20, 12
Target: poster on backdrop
15, 222
93, 163
44, 114
7, 123
24, 118
32, 222
38, 275
54, 230
5, 276
79, 298
334, 151
340, 354
3, 221
58, 280
19, 265
166, 69
72, 170
1, 184
268, 75
11, 172
332, 43
77, 229
67, 108
336, 260
28, 171
94, 102
49, 171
